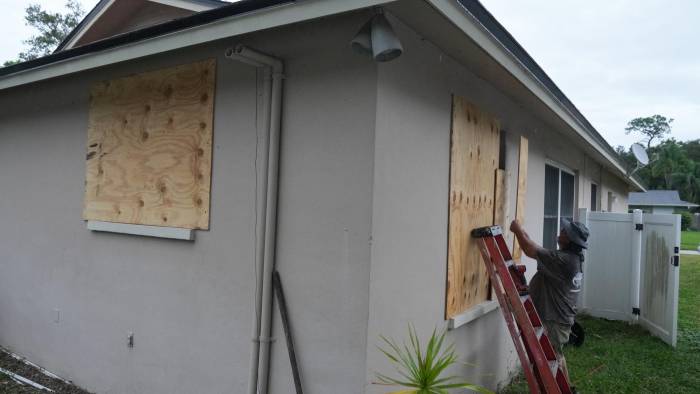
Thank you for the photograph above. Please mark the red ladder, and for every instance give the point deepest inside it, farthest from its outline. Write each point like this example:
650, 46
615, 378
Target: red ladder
542, 370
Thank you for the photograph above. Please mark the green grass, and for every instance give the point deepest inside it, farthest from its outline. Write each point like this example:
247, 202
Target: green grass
619, 358
690, 240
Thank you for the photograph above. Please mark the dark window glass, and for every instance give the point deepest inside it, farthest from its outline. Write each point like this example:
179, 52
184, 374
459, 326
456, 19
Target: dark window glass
551, 207
550, 233
594, 197
551, 191
567, 195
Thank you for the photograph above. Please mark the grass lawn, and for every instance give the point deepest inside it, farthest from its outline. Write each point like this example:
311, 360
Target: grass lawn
690, 240
619, 358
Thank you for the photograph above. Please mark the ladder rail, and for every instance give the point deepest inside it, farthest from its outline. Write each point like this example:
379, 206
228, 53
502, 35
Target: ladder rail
510, 322
527, 330
541, 367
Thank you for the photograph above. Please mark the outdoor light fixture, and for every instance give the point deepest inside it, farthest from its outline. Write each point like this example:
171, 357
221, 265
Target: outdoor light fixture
376, 38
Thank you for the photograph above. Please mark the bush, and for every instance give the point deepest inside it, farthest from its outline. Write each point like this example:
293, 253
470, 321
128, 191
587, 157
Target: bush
686, 220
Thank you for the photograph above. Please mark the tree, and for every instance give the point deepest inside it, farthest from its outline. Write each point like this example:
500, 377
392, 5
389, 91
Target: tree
627, 157
651, 127
52, 29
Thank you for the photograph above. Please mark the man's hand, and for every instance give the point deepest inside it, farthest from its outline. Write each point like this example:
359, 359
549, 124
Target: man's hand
526, 244
515, 226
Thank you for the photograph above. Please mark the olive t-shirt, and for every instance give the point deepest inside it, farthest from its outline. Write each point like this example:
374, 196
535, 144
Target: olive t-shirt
555, 286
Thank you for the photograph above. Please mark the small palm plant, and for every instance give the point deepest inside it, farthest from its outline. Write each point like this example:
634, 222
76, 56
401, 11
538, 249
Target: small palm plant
421, 372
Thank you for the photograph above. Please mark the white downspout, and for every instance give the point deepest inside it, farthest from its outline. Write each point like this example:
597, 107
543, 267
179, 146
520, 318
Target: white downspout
638, 219
260, 354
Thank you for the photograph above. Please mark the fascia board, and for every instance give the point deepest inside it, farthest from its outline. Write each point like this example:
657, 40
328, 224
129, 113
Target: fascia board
224, 28
184, 4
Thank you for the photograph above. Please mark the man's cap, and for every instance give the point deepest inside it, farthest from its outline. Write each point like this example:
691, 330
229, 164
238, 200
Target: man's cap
576, 231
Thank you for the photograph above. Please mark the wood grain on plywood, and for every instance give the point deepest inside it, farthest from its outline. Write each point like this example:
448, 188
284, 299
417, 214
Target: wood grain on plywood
149, 148
473, 161
521, 193
499, 207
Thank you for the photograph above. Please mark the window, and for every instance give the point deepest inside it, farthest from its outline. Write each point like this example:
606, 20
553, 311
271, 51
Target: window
594, 197
149, 148
474, 158
559, 191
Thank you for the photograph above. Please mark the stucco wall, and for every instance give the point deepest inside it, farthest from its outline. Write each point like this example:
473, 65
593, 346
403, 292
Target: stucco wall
354, 188
190, 305
615, 187
411, 183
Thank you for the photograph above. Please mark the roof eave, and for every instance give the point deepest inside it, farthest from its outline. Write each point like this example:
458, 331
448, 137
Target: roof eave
526, 70
236, 19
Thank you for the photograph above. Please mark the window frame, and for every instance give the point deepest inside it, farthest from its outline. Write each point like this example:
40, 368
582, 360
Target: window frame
560, 168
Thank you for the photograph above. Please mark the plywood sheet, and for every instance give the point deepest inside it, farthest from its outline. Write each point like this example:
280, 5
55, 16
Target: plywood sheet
500, 202
473, 162
149, 148
521, 193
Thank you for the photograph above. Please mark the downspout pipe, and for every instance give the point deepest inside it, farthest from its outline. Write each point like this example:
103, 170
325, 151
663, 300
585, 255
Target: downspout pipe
638, 220
260, 355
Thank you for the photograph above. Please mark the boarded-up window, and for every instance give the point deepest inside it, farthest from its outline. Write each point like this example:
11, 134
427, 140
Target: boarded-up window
149, 148
473, 164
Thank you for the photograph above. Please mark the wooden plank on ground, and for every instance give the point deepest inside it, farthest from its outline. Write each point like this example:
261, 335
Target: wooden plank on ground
521, 193
149, 148
473, 161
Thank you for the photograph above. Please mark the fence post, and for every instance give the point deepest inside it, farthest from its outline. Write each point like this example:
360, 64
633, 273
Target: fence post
638, 225
582, 305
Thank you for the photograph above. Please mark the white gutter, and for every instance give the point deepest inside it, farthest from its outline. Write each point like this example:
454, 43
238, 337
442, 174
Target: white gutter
262, 325
265, 18
470, 26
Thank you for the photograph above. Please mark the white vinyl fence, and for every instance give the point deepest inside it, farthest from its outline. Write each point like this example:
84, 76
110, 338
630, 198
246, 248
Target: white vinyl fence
631, 269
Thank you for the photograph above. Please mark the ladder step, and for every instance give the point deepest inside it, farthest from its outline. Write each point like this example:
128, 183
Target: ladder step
541, 377
539, 331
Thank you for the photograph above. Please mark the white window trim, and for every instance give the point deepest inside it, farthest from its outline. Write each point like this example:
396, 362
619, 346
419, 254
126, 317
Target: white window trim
563, 168
185, 234
560, 166
472, 314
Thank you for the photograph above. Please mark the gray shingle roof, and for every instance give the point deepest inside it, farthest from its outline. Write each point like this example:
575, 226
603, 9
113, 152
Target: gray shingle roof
669, 198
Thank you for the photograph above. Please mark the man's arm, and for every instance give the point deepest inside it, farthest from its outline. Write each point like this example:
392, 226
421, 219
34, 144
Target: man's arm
528, 246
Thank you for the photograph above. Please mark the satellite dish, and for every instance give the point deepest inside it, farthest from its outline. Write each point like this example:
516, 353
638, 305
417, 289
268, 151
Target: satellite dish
640, 154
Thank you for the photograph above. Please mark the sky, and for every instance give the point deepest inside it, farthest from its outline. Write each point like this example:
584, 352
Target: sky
615, 59
12, 28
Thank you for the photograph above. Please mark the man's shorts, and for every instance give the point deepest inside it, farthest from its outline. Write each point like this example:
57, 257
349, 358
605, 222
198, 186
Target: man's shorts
558, 335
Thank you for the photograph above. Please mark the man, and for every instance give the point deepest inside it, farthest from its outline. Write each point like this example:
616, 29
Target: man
554, 288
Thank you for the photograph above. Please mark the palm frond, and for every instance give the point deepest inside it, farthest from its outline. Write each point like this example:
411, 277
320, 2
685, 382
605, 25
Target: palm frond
420, 368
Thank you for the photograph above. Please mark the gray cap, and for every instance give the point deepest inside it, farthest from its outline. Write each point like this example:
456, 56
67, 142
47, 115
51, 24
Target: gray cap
576, 231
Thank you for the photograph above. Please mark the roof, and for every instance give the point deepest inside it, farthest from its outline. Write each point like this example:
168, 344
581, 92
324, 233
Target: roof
102, 5
475, 8
460, 12
197, 19
663, 198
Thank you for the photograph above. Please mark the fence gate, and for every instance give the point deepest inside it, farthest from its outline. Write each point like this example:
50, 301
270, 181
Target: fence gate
659, 275
631, 269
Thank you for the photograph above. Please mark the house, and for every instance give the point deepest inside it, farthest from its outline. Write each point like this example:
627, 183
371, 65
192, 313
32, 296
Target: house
658, 201
255, 136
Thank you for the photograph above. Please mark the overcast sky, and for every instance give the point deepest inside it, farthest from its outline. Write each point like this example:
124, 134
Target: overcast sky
615, 59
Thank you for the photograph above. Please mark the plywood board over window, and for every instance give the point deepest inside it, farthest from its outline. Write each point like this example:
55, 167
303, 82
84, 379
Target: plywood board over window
474, 158
149, 148
521, 194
